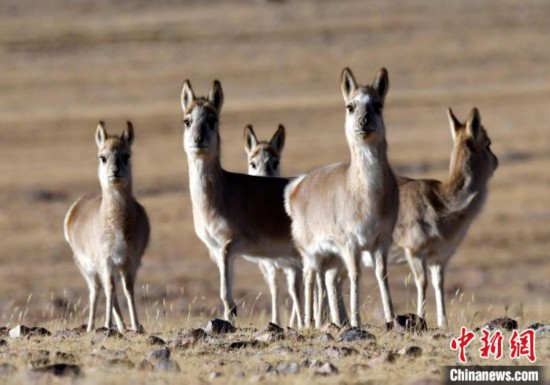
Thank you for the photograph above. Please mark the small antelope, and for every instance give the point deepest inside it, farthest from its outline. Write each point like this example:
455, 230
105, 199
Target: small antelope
264, 159
342, 210
109, 232
434, 216
234, 214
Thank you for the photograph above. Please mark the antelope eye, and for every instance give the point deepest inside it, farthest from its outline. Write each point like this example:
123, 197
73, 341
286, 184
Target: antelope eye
103, 159
253, 165
125, 159
275, 164
187, 122
350, 108
377, 106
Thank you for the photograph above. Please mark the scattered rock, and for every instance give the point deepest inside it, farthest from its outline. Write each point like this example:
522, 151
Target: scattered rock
274, 328
7, 369
288, 368
214, 375
189, 339
3, 342
39, 362
80, 329
19, 331
65, 357
121, 363
246, 344
355, 334
410, 351
218, 326
407, 322
39, 331
4, 331
312, 363
325, 337
154, 340
384, 358
279, 349
503, 323
330, 328
102, 333
441, 336
167, 366
338, 352
159, 355
146, 366
60, 370
539, 328
294, 335
64, 334
268, 337
326, 369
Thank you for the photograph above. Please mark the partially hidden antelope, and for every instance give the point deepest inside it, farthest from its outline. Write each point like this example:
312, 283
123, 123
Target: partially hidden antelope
264, 159
234, 214
434, 216
108, 232
343, 210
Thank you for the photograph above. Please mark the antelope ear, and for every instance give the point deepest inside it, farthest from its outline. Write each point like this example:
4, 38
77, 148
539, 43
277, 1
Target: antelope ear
454, 124
215, 96
187, 96
381, 83
250, 140
347, 83
100, 134
473, 124
278, 139
128, 134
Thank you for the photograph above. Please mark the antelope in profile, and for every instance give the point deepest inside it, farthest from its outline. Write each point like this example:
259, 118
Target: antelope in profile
342, 210
234, 214
434, 216
264, 159
108, 232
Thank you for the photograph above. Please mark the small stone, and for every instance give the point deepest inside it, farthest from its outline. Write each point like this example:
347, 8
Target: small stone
540, 328
121, 363
65, 357
4, 331
214, 375
312, 363
266, 337
39, 331
325, 337
407, 322
288, 368
159, 355
294, 335
64, 334
80, 329
7, 369
218, 326
330, 328
410, 351
504, 323
154, 340
167, 366
60, 370
326, 369
274, 328
441, 336
3, 342
354, 334
189, 339
146, 366
39, 362
386, 357
246, 344
19, 331
338, 352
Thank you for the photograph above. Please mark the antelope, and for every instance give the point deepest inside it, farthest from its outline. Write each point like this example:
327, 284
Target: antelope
264, 159
233, 214
108, 232
434, 216
342, 210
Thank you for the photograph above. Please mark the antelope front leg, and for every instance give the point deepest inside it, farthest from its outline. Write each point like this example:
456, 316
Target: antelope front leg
109, 288
332, 294
128, 288
438, 275
380, 269
319, 303
93, 285
352, 265
418, 267
117, 315
225, 266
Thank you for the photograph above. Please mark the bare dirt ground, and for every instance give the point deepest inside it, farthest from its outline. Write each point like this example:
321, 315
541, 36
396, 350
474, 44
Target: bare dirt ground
66, 65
